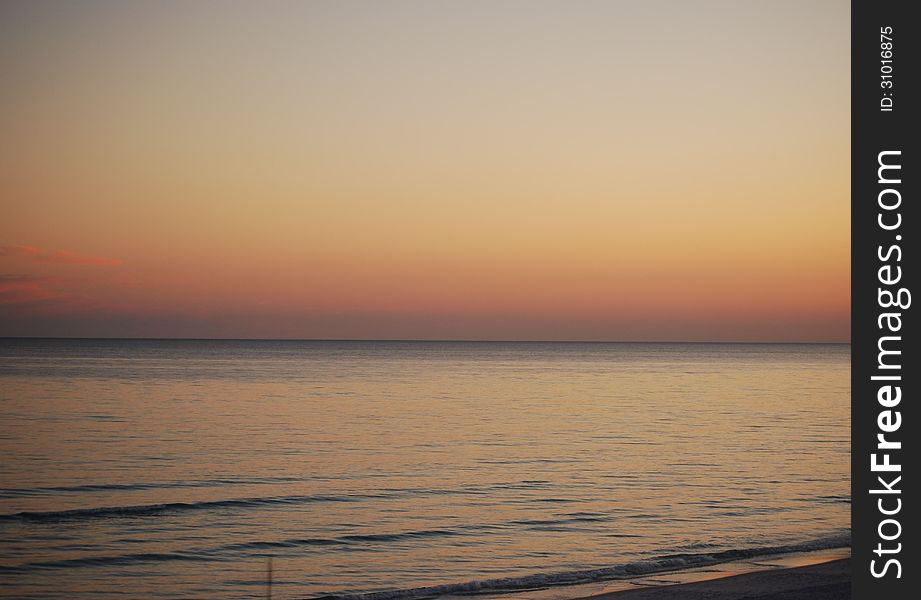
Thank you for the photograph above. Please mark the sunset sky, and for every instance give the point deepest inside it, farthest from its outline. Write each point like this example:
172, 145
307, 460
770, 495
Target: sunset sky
425, 170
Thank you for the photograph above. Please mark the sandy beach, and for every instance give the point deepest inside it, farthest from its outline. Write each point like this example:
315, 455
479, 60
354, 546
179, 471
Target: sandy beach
826, 581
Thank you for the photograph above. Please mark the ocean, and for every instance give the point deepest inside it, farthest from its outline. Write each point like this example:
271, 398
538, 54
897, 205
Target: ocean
174, 469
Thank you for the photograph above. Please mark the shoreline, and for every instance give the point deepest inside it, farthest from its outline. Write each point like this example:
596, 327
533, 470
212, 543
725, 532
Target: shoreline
830, 580
761, 577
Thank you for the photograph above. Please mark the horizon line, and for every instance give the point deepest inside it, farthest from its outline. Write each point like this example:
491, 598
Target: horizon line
414, 340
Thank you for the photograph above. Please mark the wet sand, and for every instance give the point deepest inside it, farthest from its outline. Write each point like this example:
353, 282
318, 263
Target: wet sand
825, 581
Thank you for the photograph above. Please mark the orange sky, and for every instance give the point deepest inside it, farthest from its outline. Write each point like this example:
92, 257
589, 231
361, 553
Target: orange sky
464, 170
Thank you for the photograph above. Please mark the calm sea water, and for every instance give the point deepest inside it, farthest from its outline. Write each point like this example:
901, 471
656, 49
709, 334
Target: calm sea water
177, 468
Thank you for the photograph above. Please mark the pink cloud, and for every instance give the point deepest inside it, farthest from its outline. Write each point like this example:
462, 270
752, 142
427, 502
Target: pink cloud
32, 295
66, 257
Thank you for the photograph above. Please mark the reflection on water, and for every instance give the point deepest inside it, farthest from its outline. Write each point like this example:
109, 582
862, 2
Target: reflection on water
177, 468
